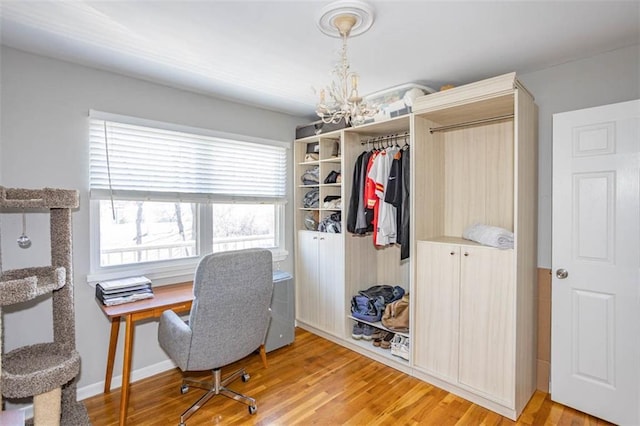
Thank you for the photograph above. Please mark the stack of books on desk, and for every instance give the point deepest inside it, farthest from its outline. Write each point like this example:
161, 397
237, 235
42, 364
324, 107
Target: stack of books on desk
124, 290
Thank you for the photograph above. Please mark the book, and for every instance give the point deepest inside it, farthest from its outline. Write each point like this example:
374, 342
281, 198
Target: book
123, 290
123, 282
121, 293
127, 299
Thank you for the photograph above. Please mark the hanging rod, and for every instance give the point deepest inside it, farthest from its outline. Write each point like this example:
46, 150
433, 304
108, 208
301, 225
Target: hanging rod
470, 123
393, 137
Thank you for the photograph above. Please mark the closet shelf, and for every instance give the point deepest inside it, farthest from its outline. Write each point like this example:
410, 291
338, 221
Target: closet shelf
21, 285
37, 369
367, 345
378, 324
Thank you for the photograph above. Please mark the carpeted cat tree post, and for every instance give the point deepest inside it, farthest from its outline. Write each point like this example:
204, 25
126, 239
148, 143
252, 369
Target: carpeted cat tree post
46, 371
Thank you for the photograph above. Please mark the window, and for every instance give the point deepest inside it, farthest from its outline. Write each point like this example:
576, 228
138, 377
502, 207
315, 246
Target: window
163, 195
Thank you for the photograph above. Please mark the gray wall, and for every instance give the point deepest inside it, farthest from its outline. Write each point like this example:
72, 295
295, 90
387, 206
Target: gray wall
44, 106
43, 142
603, 79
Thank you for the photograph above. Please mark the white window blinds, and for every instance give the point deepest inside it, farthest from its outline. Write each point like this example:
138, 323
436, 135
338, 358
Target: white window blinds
131, 161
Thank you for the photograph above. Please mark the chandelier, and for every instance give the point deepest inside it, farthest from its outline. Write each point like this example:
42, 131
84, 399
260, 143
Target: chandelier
340, 100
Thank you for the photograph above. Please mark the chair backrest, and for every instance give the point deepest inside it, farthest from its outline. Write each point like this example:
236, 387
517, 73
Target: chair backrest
230, 313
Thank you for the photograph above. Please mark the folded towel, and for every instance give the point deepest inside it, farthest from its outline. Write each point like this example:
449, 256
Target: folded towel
488, 235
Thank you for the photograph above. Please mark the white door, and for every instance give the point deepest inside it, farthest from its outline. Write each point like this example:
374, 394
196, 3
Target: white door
595, 333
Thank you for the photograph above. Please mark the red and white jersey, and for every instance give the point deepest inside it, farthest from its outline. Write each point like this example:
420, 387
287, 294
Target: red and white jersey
385, 227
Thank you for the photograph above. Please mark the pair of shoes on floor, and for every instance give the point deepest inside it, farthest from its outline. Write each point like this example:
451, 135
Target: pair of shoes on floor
384, 341
400, 346
366, 332
362, 331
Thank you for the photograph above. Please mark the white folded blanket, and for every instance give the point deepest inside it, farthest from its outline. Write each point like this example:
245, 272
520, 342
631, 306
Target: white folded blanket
488, 235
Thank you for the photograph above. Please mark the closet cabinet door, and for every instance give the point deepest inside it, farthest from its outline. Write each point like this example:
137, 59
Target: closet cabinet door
320, 281
331, 284
436, 309
307, 279
487, 322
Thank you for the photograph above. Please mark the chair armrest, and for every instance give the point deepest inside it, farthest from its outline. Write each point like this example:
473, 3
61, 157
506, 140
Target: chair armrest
174, 336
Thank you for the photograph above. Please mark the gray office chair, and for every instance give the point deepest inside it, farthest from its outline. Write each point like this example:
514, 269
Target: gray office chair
228, 321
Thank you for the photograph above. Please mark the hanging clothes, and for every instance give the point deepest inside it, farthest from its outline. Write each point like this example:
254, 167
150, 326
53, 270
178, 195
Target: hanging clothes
393, 195
357, 222
406, 208
385, 219
370, 197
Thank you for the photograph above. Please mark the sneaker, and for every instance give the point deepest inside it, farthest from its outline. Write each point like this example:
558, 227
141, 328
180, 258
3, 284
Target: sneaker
400, 346
357, 331
367, 331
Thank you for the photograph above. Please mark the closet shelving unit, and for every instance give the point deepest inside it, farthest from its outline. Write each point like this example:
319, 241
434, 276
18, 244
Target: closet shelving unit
331, 268
472, 307
47, 371
319, 256
329, 160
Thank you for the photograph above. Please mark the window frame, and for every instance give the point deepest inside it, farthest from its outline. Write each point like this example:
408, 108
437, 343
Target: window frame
177, 270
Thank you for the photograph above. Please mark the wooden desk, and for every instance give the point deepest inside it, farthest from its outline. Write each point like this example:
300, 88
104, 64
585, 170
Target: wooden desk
177, 297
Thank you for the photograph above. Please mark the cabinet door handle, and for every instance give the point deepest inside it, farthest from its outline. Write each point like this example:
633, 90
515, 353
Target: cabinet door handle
466, 253
452, 253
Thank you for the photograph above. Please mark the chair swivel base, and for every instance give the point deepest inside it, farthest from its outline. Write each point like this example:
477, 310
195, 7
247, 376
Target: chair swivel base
218, 387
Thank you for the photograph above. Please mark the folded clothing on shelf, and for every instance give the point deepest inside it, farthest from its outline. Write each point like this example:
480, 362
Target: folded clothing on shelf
488, 235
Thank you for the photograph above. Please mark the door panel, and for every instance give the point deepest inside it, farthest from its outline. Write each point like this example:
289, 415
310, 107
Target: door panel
487, 322
595, 348
436, 309
331, 295
307, 278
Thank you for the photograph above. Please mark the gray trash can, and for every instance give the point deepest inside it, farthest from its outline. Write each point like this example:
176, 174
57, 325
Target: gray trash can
282, 327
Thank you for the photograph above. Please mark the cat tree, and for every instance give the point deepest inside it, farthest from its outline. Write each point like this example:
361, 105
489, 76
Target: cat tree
46, 371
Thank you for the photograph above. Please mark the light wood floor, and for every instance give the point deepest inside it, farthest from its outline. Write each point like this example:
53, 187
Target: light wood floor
314, 381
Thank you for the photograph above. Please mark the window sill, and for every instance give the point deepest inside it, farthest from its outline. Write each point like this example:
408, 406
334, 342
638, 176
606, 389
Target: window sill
160, 273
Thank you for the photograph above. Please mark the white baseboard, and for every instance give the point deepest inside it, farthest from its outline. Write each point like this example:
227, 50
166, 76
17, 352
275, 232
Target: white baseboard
142, 373
98, 388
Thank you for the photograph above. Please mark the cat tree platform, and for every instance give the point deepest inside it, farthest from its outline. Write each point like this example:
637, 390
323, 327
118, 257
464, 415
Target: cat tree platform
37, 369
47, 371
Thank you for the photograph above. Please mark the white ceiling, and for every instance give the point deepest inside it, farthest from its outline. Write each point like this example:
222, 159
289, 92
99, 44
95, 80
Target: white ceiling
272, 53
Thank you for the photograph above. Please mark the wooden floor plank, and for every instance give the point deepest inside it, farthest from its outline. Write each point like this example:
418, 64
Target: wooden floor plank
316, 382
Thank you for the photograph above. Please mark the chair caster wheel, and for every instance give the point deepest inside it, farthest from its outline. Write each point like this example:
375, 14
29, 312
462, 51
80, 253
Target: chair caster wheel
245, 377
183, 389
253, 409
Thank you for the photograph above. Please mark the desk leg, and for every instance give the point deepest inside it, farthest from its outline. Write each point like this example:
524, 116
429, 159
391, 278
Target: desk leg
263, 355
126, 369
111, 355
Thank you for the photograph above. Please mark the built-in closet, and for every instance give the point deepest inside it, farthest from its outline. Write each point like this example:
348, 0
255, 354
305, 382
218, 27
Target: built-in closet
473, 160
